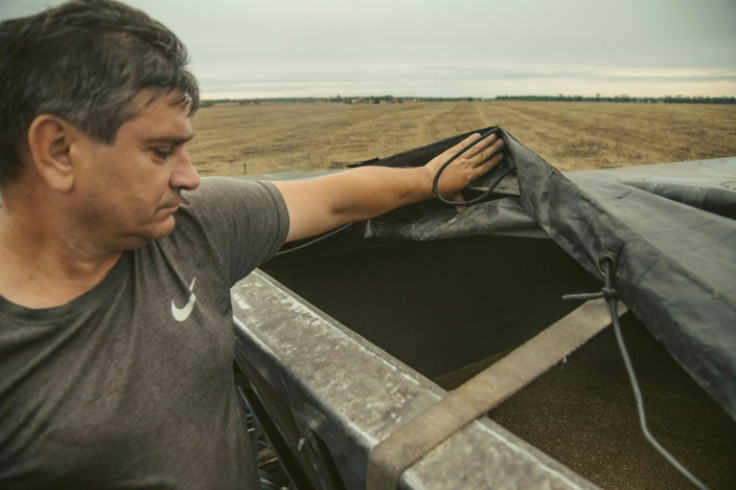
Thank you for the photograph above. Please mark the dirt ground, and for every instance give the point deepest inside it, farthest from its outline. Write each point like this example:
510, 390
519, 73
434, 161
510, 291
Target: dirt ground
236, 139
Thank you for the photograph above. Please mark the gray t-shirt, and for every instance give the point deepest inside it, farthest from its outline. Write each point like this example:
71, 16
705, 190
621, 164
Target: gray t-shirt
131, 384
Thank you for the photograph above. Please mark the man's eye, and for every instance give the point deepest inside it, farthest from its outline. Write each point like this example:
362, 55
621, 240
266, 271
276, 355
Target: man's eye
162, 154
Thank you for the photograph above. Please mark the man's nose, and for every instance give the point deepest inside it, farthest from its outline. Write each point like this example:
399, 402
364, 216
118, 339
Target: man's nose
185, 176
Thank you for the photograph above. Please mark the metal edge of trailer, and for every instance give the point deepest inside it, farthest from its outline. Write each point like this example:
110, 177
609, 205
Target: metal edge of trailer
343, 395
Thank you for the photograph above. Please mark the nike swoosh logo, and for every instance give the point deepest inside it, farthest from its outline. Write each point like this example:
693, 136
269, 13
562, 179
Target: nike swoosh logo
181, 314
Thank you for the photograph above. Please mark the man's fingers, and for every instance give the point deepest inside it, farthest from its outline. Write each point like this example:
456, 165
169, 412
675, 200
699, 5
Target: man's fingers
487, 165
458, 198
467, 141
484, 149
492, 151
480, 146
480, 151
473, 138
479, 159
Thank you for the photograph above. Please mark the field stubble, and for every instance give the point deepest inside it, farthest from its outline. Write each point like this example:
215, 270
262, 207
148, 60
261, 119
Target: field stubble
236, 139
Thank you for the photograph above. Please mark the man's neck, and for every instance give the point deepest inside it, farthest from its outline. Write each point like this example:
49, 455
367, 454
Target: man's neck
42, 268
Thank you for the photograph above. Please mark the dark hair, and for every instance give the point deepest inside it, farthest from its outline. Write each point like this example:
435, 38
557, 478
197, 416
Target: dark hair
84, 61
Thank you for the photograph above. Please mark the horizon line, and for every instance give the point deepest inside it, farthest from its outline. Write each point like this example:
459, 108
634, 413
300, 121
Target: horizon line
560, 96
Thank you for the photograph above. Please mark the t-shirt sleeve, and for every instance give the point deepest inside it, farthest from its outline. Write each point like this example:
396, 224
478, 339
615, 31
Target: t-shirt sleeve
247, 221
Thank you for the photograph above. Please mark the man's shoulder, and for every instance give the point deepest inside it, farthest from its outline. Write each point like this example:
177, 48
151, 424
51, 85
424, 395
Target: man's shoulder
230, 196
223, 187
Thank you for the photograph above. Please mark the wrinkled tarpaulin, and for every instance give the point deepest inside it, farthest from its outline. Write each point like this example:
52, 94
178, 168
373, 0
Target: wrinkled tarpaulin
671, 228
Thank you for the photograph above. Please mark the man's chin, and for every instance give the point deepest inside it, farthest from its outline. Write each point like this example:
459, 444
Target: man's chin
161, 231
165, 229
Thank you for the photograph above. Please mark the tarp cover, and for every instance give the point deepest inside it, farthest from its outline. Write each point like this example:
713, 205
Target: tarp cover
671, 228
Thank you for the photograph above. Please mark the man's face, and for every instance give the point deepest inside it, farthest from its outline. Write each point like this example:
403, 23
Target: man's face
126, 193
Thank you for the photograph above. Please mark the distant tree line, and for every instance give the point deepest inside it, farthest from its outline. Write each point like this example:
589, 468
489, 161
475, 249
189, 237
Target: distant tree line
678, 99
367, 99
390, 99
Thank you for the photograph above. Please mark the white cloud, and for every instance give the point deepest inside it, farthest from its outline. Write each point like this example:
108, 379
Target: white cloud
461, 48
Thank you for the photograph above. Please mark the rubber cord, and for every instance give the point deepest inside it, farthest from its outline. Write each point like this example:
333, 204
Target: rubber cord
609, 292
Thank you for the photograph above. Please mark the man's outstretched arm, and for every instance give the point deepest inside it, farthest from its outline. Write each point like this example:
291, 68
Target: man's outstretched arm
321, 204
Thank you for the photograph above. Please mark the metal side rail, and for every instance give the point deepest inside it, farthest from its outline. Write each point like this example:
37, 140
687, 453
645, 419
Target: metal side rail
331, 397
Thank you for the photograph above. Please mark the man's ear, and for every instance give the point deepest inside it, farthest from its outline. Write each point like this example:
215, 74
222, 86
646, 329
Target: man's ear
49, 140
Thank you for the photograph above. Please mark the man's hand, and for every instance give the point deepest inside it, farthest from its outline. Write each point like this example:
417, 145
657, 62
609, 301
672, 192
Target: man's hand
473, 163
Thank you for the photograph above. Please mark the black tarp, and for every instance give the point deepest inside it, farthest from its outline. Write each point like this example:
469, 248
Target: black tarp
670, 227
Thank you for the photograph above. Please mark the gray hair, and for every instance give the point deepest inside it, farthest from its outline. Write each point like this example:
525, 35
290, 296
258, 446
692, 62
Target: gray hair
84, 61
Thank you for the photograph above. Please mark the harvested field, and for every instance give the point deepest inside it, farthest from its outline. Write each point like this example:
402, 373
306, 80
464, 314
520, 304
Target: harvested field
236, 139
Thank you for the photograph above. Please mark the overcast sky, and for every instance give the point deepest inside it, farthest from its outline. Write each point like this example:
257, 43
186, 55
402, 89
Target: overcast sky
457, 48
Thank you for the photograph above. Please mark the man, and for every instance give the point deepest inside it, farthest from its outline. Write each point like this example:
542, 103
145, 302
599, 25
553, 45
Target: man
115, 319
